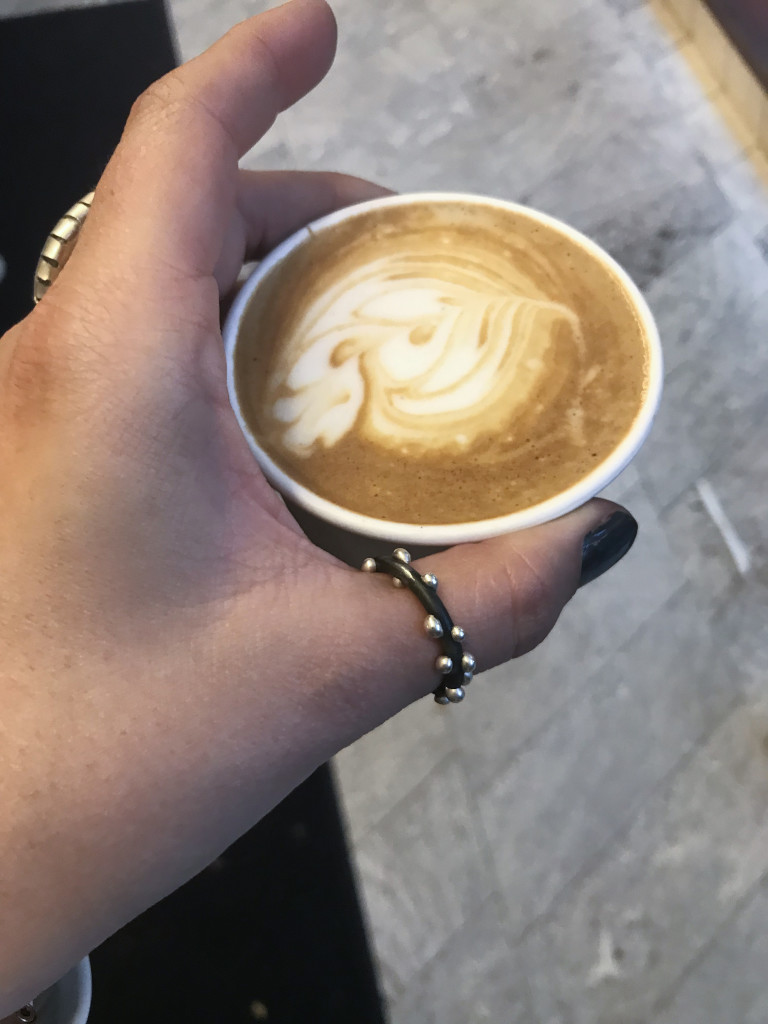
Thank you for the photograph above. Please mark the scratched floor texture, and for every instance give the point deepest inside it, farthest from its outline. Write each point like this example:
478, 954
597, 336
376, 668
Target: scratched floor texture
585, 840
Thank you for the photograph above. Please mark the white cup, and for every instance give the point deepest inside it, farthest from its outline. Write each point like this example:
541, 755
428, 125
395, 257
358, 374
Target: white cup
69, 1000
310, 507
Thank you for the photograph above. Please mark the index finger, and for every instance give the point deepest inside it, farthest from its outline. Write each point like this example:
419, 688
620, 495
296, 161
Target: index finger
169, 190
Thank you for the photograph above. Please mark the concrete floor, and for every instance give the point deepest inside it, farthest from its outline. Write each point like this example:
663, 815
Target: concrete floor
585, 841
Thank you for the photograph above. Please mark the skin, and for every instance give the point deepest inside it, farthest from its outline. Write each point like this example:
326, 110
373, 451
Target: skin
171, 664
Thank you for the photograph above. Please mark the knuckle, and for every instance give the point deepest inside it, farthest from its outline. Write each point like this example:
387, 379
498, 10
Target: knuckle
171, 107
50, 368
261, 50
532, 605
156, 102
30, 378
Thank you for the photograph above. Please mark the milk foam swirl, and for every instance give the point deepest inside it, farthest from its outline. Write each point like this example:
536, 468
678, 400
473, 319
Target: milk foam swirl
421, 351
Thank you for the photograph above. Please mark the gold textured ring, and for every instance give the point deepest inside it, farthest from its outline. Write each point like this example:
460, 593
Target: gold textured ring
59, 245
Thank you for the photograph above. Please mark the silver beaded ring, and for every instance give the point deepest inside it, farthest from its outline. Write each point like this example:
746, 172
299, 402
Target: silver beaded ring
456, 665
58, 247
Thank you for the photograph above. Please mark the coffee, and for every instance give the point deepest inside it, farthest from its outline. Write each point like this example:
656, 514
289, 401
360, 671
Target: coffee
440, 363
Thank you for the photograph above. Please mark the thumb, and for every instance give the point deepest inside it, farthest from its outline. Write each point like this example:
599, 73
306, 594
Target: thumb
506, 593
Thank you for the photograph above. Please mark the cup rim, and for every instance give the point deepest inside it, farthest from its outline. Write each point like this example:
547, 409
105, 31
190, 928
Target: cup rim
84, 982
68, 1001
451, 533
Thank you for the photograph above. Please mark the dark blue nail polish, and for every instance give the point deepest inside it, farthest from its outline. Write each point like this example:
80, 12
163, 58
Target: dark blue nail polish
606, 545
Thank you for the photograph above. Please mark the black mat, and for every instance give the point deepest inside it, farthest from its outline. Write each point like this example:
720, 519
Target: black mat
270, 932
273, 930
67, 81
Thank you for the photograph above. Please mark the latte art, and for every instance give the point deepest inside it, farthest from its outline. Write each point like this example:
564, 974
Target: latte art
418, 352
439, 363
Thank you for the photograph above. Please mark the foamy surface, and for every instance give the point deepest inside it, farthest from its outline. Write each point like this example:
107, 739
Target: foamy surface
420, 351
440, 365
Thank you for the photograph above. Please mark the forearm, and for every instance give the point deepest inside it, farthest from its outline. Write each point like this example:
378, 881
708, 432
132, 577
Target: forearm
118, 784
111, 801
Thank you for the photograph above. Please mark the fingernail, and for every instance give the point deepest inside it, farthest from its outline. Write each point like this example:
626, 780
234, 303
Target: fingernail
606, 545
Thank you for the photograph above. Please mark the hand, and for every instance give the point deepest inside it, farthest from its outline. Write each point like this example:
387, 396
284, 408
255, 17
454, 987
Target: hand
176, 655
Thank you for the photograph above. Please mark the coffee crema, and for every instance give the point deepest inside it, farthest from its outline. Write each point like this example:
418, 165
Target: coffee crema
440, 363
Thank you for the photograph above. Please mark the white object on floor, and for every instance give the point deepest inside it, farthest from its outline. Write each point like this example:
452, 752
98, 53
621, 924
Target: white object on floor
738, 549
